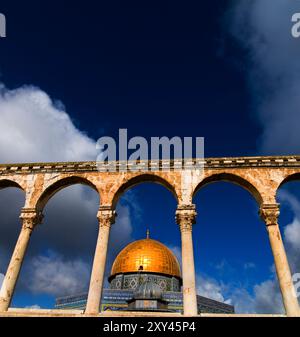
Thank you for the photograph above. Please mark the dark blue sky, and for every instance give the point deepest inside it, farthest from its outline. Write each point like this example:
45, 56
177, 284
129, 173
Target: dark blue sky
154, 68
158, 69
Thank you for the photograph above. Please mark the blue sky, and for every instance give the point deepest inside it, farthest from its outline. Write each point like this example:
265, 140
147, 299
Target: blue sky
222, 70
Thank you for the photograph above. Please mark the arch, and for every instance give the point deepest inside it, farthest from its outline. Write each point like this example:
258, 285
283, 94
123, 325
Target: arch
140, 179
289, 178
232, 178
6, 183
60, 184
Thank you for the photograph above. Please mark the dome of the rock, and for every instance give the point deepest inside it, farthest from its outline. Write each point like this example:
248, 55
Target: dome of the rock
146, 255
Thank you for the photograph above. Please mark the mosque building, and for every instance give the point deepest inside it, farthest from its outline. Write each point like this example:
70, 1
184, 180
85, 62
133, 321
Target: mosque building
145, 276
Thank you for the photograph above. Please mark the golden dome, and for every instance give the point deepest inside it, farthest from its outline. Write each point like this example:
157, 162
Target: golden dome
146, 255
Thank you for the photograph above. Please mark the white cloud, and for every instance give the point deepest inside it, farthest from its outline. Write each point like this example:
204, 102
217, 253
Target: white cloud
67, 269
123, 225
292, 234
249, 265
1, 279
209, 287
263, 29
35, 128
34, 306
268, 298
292, 230
290, 200
242, 301
53, 275
177, 252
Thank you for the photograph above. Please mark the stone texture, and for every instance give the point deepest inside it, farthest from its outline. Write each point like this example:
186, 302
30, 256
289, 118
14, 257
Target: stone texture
30, 219
186, 217
106, 217
261, 176
14, 312
270, 214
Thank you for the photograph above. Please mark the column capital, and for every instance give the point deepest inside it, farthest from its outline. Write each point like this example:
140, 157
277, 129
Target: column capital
30, 218
186, 216
106, 216
269, 214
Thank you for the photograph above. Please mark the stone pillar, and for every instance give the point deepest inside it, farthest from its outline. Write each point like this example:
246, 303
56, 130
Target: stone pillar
30, 218
186, 217
270, 213
106, 217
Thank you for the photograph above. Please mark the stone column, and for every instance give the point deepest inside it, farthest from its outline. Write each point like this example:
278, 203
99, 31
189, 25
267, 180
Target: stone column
270, 213
30, 218
106, 217
186, 217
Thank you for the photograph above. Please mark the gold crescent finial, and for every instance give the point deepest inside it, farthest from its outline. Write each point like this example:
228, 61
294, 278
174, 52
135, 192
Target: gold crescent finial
147, 233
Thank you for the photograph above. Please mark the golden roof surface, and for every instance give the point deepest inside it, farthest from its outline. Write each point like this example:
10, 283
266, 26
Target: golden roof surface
146, 255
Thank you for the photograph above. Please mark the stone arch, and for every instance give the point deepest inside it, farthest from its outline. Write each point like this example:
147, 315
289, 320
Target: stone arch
140, 179
289, 178
59, 185
6, 183
232, 178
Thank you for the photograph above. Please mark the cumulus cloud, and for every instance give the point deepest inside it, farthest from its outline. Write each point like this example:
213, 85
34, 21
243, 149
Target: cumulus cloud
292, 230
53, 275
268, 297
265, 297
242, 301
123, 225
227, 293
177, 252
211, 288
34, 128
263, 29
206, 286
1, 279
292, 234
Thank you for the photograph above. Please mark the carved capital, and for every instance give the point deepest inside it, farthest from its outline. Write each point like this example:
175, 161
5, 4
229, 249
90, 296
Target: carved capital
186, 217
30, 218
269, 214
106, 216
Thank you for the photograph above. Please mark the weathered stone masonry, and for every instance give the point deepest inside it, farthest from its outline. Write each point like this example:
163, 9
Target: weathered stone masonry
261, 176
